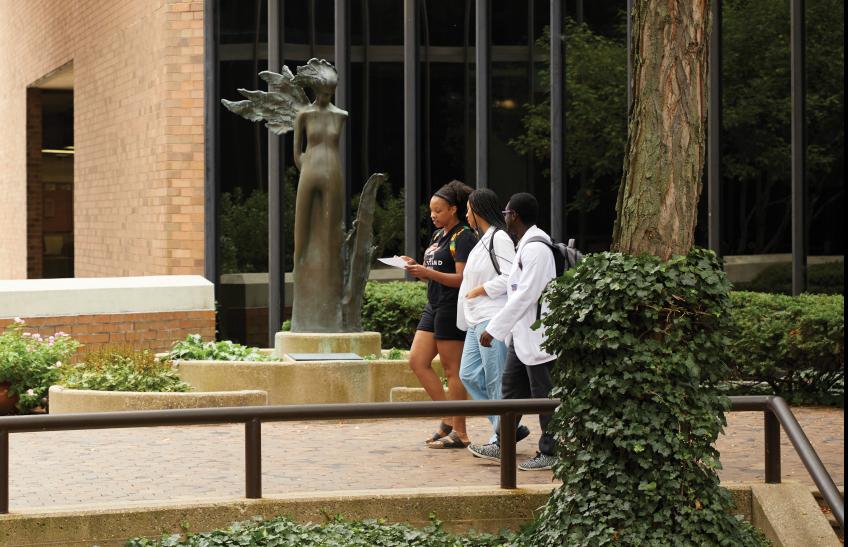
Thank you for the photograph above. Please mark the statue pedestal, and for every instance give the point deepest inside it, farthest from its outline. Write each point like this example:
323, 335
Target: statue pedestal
361, 343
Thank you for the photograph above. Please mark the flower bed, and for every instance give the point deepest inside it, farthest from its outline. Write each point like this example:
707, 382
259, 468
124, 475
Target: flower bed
30, 363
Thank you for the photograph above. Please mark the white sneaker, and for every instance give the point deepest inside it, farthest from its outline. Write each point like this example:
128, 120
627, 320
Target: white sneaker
540, 462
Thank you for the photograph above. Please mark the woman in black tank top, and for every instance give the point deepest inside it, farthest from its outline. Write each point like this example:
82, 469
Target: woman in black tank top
437, 333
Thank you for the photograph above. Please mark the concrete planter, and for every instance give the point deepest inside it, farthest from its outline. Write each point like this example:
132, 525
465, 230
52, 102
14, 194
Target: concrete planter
67, 401
304, 382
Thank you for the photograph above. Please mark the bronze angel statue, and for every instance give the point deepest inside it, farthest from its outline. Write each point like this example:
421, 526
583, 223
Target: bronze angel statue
329, 270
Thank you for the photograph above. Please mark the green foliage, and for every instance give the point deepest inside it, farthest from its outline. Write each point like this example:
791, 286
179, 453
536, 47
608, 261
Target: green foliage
193, 348
794, 345
596, 98
756, 125
388, 221
828, 278
123, 369
641, 351
393, 354
393, 309
30, 363
244, 227
337, 532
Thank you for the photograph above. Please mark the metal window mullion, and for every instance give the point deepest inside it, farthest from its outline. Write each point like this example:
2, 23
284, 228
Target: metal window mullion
276, 178
799, 190
343, 96
629, 57
411, 108
557, 119
212, 186
714, 134
482, 69
531, 85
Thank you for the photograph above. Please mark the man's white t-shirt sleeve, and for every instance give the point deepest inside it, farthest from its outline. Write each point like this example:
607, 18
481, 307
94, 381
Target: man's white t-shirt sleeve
532, 281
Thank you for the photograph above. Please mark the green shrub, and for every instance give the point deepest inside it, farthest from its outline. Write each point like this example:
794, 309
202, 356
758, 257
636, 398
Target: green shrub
31, 363
123, 369
337, 532
794, 345
828, 278
641, 352
393, 309
193, 348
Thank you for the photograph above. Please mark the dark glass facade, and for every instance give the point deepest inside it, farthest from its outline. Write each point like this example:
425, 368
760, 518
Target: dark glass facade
447, 112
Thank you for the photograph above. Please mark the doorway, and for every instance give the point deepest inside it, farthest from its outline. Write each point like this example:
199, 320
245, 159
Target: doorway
50, 177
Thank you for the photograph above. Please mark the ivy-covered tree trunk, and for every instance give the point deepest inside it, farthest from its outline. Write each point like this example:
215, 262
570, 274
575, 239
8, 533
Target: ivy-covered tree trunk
657, 205
639, 332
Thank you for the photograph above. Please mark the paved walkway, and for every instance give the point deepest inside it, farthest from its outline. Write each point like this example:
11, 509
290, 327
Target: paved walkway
50, 471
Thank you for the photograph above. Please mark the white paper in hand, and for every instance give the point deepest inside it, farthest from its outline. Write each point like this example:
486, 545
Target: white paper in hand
395, 262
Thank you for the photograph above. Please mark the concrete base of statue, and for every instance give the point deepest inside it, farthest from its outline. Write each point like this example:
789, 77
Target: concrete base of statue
360, 343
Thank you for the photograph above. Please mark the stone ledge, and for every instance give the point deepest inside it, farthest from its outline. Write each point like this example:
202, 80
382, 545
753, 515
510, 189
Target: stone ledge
409, 394
105, 295
303, 382
73, 401
461, 508
789, 515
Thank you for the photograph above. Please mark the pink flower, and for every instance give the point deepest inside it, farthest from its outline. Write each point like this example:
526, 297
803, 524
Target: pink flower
60, 333
19, 320
27, 334
30, 392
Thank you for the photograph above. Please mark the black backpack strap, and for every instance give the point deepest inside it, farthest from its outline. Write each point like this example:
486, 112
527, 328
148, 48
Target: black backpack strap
537, 239
492, 256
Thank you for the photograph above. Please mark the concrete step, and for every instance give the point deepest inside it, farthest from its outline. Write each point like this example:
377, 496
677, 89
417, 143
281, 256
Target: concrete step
840, 532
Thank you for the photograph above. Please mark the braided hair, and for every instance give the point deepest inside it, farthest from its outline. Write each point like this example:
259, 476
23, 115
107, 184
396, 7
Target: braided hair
485, 204
456, 194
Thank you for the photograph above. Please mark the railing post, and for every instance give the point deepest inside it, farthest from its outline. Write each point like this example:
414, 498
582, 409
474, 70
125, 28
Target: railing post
4, 471
507, 440
772, 441
253, 458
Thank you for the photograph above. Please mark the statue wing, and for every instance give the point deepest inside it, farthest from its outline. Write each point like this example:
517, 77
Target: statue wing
278, 106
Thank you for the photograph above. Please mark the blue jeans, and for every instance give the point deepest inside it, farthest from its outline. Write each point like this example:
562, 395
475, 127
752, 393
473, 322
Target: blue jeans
481, 369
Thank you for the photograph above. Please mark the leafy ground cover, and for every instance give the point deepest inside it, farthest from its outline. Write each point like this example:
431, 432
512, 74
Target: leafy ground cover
337, 532
193, 348
123, 369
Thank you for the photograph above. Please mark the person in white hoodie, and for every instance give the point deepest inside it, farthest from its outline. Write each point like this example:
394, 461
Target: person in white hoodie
482, 294
527, 371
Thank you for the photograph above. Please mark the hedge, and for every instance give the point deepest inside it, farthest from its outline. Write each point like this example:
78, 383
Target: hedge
793, 345
393, 309
828, 278
778, 344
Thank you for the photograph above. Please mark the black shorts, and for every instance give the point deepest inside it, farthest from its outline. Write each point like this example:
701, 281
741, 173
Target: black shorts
441, 321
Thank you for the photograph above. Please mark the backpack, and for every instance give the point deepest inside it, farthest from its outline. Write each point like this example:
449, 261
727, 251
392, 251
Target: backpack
566, 256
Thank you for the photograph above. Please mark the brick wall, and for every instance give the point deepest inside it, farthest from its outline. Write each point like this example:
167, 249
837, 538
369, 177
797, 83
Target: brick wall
156, 331
138, 130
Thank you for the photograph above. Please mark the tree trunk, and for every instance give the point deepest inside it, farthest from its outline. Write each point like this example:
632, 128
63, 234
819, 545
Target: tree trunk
657, 206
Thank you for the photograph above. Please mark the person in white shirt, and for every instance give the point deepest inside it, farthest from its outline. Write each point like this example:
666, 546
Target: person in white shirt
481, 295
527, 371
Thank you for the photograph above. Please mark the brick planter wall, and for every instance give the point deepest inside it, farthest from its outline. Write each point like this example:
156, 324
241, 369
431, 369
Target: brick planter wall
156, 331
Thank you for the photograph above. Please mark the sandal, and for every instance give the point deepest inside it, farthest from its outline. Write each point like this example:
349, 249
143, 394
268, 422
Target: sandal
451, 441
441, 432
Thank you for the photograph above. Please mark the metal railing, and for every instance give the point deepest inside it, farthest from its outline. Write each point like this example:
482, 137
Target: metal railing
775, 410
